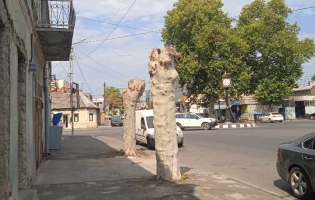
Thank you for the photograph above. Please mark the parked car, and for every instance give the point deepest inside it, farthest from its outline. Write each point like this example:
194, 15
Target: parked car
190, 120
116, 120
296, 165
272, 117
145, 129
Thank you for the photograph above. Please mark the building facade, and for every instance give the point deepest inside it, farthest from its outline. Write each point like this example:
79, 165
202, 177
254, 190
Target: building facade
28, 42
301, 102
62, 83
87, 116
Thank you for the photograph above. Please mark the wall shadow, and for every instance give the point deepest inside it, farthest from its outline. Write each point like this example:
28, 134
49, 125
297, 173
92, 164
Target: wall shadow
88, 168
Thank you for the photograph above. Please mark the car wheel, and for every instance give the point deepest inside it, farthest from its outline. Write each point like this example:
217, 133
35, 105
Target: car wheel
300, 184
280, 121
149, 144
180, 126
206, 126
269, 120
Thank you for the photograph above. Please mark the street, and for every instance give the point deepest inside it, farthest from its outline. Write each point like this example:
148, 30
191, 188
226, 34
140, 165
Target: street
248, 155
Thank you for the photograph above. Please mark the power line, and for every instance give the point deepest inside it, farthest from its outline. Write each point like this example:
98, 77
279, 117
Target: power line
105, 67
121, 37
102, 72
55, 66
114, 27
118, 10
81, 72
304, 8
110, 23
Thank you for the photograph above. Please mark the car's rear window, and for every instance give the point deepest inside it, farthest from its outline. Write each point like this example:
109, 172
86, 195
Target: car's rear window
304, 138
275, 113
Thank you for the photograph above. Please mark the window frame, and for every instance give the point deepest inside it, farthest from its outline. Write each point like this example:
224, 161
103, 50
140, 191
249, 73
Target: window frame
74, 116
312, 144
91, 114
142, 124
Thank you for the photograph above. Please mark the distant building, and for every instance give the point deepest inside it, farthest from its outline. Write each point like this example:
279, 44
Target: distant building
62, 83
87, 116
301, 102
99, 102
89, 96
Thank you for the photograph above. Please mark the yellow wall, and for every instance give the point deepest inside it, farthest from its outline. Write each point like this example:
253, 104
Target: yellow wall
84, 121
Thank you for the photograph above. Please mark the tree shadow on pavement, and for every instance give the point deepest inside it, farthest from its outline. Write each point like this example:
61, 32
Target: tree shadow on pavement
88, 168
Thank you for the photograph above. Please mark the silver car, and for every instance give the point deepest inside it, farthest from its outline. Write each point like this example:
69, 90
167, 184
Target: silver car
296, 165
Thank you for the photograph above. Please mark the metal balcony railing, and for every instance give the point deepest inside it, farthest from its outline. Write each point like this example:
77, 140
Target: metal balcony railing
56, 14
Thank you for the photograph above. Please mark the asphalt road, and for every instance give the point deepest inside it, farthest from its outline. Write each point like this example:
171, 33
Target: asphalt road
248, 155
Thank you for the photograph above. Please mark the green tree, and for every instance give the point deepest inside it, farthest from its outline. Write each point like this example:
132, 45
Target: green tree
209, 45
113, 98
273, 92
313, 78
276, 55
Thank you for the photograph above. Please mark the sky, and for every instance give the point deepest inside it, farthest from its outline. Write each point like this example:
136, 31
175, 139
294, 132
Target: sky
125, 55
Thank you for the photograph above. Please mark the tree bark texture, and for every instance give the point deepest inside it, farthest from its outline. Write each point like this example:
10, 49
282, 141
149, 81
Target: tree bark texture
162, 69
130, 97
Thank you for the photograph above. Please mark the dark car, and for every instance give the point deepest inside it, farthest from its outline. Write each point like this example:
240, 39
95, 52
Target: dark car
296, 165
116, 120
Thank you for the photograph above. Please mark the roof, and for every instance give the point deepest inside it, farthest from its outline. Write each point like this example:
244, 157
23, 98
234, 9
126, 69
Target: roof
305, 87
62, 101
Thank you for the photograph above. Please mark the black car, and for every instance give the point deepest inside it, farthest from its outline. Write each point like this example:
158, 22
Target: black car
296, 165
116, 120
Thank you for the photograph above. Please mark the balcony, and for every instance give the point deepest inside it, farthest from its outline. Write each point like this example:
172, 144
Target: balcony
55, 21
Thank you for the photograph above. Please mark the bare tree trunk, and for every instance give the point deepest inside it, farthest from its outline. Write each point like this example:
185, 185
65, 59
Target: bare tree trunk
130, 97
162, 69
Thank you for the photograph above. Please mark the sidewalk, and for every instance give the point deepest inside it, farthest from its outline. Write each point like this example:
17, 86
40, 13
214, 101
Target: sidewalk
93, 168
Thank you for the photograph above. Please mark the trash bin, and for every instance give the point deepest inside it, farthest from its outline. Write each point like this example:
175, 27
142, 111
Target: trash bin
257, 116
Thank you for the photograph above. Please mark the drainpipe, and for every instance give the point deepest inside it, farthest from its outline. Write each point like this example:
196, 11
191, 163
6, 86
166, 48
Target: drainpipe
47, 109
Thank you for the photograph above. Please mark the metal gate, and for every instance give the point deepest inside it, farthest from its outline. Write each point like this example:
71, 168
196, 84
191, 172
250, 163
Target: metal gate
39, 149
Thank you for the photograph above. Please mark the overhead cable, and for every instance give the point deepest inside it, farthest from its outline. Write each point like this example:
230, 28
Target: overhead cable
114, 27
104, 66
81, 72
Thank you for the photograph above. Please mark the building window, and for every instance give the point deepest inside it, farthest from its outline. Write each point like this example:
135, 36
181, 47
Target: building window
311, 103
91, 117
307, 103
76, 117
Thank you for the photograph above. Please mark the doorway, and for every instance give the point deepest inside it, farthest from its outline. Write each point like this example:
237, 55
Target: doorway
65, 121
299, 109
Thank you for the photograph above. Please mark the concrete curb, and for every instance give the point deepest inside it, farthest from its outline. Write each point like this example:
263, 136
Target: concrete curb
231, 126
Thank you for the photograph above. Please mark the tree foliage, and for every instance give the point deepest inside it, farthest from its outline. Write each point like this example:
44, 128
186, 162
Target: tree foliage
202, 32
313, 78
276, 55
113, 98
273, 92
262, 49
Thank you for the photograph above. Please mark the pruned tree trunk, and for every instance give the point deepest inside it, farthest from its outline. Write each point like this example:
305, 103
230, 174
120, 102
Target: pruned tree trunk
162, 69
130, 97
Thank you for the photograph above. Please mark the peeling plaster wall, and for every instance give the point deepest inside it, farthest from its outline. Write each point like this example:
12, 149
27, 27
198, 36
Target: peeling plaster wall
14, 120
5, 40
17, 143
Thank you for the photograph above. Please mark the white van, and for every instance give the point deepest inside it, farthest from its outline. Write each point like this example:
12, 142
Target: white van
145, 129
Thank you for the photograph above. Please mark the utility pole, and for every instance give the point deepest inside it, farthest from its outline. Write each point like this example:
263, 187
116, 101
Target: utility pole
104, 101
71, 91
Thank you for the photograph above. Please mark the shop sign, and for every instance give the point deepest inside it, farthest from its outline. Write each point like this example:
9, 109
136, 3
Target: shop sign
302, 98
